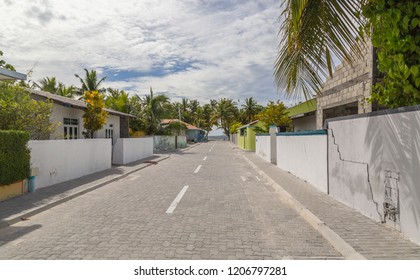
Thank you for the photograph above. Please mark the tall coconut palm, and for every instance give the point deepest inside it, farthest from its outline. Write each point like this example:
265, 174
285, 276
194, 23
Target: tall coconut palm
312, 33
48, 84
153, 111
90, 82
250, 109
224, 114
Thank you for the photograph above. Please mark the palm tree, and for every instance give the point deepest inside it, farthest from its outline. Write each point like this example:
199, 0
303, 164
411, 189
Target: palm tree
194, 108
118, 100
153, 111
48, 84
90, 82
313, 31
224, 114
250, 109
68, 92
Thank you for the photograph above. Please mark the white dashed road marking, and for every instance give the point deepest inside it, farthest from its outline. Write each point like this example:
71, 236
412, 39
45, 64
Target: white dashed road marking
197, 169
258, 178
176, 200
205, 158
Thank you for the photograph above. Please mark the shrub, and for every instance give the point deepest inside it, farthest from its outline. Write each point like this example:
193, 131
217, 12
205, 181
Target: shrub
14, 156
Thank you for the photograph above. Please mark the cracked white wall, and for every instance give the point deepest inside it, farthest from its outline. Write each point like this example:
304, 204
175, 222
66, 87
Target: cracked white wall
362, 151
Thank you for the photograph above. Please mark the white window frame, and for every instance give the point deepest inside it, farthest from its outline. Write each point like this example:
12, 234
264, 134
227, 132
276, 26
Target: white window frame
109, 132
71, 128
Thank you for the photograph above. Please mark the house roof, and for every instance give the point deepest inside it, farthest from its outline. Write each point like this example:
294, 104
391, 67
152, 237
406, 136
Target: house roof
249, 124
189, 126
6, 74
303, 108
74, 103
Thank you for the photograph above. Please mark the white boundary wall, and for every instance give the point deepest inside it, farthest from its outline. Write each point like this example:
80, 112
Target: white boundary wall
128, 150
262, 147
62, 160
304, 156
368, 153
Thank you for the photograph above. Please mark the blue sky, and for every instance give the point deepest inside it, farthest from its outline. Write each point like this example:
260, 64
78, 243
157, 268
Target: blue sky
183, 48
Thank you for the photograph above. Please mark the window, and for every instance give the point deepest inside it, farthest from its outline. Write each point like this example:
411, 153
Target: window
109, 132
71, 128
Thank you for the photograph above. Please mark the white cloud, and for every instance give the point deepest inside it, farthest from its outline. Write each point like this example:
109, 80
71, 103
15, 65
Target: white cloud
229, 47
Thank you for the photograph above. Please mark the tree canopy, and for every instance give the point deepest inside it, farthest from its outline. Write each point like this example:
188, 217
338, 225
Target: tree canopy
19, 112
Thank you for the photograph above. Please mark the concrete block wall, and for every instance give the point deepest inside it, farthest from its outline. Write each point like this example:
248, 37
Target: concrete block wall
350, 83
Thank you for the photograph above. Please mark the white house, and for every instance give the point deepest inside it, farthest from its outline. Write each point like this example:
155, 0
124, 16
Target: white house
6, 74
68, 114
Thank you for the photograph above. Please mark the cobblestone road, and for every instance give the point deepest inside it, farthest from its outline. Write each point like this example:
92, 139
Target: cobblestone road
227, 212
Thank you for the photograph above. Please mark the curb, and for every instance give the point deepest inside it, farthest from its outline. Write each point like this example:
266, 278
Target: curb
7, 223
345, 249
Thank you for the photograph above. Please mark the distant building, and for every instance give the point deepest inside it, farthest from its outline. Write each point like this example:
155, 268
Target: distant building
192, 132
303, 115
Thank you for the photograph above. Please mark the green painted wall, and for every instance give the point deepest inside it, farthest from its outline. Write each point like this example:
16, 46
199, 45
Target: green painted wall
247, 141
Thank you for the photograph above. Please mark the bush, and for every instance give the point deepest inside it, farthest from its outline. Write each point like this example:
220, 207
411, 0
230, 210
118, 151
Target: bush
14, 156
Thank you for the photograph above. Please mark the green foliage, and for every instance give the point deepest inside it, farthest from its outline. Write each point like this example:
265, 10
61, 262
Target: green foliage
274, 114
90, 82
234, 127
313, 31
395, 30
19, 112
94, 117
118, 100
250, 109
175, 128
153, 109
225, 113
5, 65
14, 156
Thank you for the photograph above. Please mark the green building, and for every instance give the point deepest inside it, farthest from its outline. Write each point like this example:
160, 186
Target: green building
246, 135
303, 115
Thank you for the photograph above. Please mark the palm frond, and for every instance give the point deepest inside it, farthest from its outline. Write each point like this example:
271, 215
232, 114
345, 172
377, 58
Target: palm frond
313, 31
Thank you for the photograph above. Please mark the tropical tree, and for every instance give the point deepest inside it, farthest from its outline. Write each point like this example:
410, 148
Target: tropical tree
206, 121
48, 84
312, 33
234, 127
68, 92
250, 109
224, 114
19, 112
5, 65
118, 100
90, 82
94, 117
194, 112
274, 114
153, 110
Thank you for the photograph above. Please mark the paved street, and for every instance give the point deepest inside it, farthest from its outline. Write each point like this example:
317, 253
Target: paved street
206, 203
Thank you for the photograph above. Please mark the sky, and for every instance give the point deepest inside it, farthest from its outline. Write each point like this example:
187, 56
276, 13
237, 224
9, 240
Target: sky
195, 49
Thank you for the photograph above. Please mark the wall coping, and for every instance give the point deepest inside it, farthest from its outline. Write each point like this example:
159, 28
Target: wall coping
303, 133
374, 114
